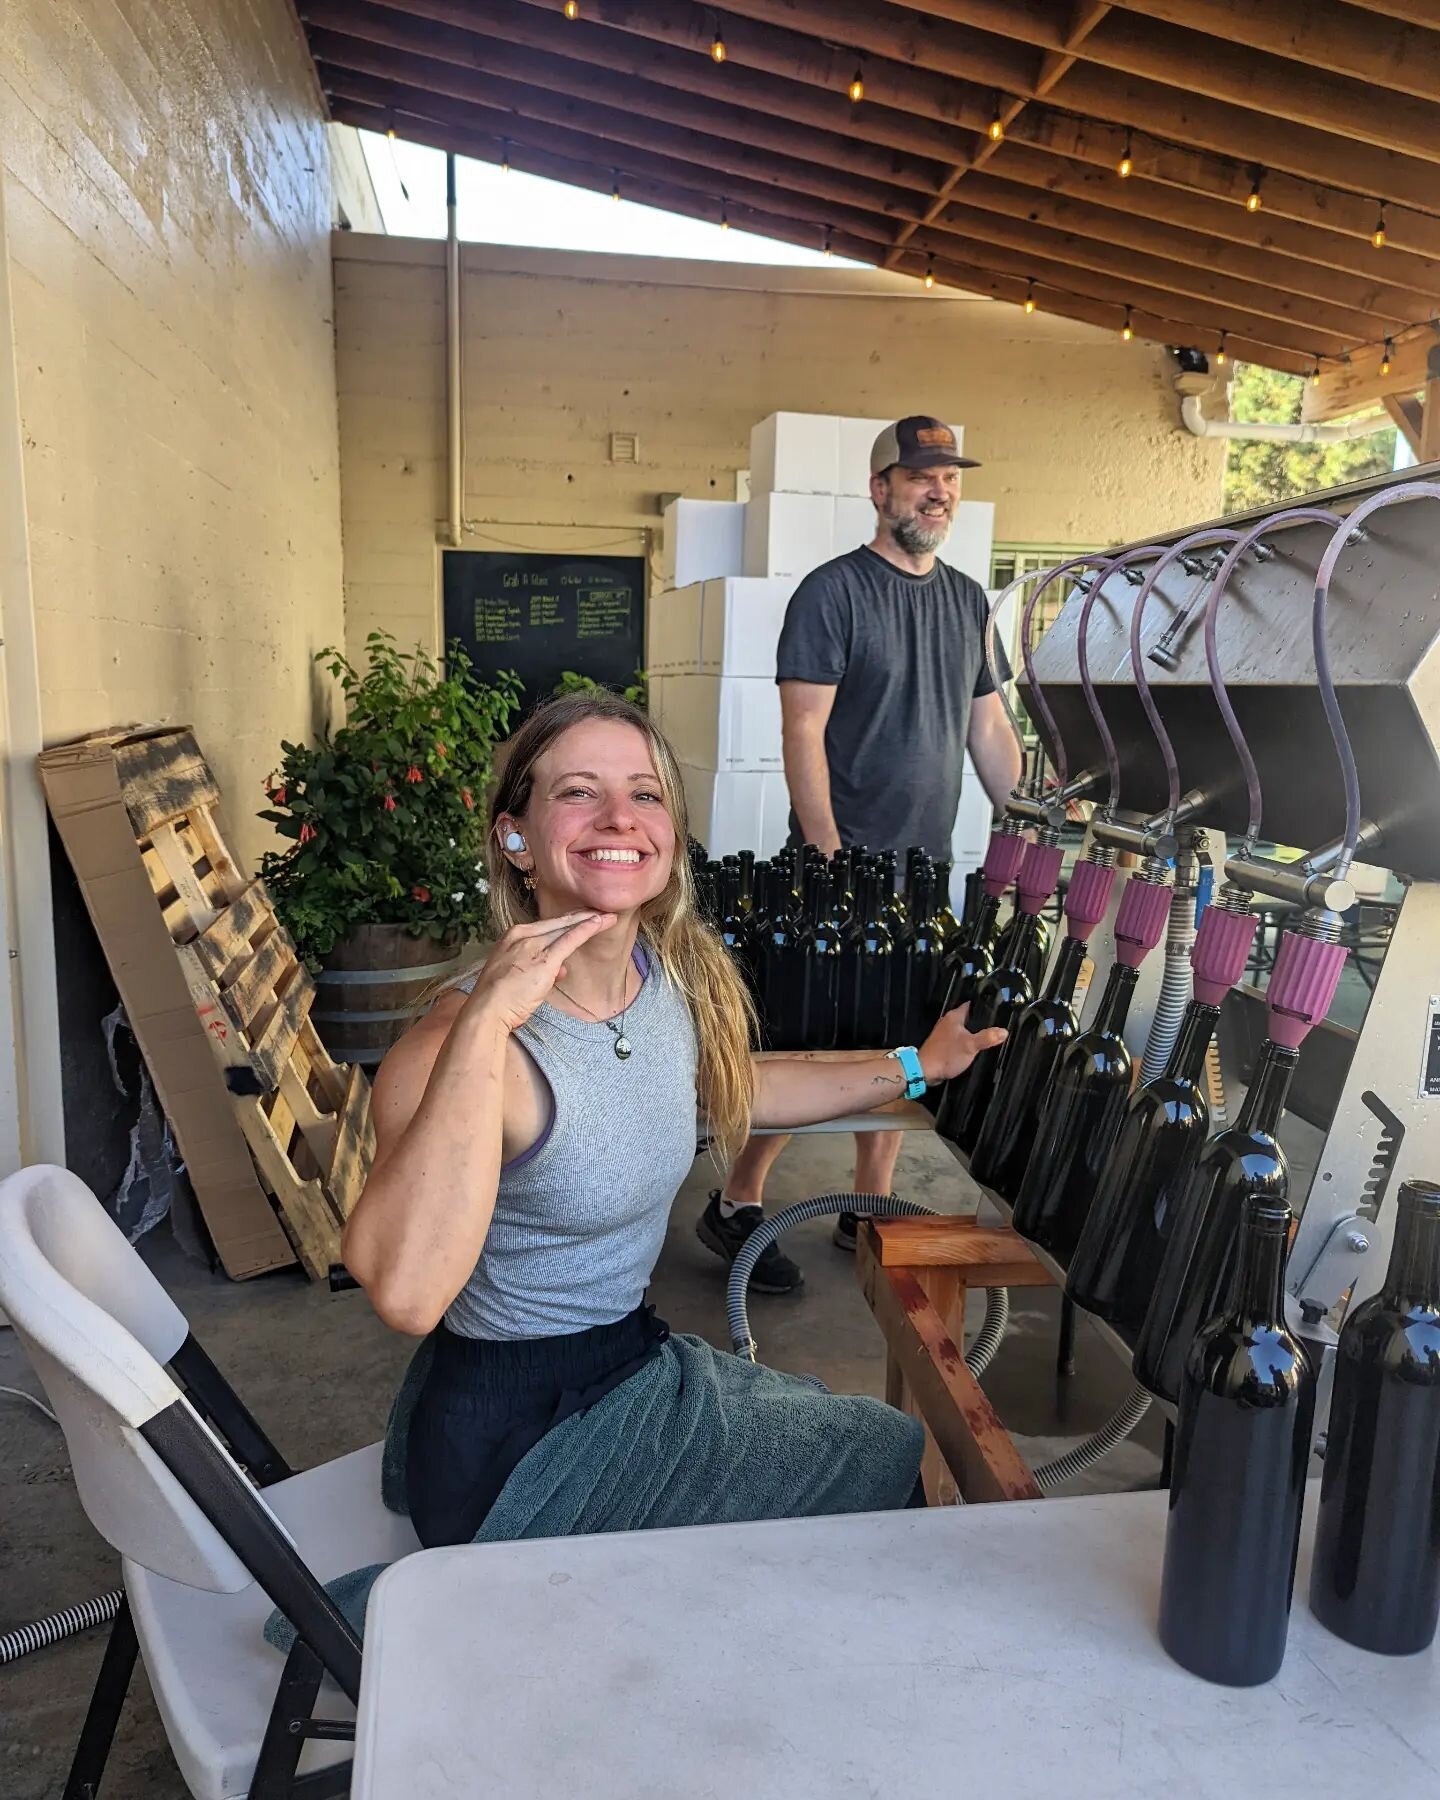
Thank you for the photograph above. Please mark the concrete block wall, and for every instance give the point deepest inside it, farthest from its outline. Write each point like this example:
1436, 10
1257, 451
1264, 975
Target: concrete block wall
168, 215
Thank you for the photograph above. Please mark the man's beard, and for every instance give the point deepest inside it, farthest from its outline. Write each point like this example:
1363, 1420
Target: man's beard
917, 536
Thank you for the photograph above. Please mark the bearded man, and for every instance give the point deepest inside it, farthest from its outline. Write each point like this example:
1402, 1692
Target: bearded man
883, 687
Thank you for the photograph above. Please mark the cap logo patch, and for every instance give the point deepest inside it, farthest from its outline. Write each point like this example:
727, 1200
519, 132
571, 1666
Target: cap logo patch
932, 436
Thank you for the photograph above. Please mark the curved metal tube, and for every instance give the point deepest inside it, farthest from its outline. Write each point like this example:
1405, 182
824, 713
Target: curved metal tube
1420, 490
995, 680
1213, 534
1306, 514
1103, 571
1043, 579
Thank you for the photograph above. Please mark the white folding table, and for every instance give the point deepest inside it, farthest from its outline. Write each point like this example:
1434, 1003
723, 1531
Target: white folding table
1006, 1649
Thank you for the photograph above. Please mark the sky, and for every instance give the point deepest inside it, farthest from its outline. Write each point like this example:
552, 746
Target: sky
495, 208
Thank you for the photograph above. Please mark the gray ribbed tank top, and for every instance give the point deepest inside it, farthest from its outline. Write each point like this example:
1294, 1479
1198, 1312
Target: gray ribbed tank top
580, 1218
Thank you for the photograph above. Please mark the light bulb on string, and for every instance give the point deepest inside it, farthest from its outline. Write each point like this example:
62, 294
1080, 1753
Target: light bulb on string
1127, 330
829, 245
390, 133
1221, 354
724, 216
857, 85
717, 45
1385, 359
930, 270
995, 131
1378, 235
1030, 295
504, 156
615, 186
1253, 202
571, 10
1315, 373
1126, 164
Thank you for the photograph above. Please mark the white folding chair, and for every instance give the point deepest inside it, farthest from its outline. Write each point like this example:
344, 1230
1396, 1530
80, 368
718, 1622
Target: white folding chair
204, 1557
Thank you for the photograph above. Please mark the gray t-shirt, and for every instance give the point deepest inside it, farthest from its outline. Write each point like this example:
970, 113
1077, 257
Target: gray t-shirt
907, 655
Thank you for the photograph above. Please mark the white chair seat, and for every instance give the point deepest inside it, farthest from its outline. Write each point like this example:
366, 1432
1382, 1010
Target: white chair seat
213, 1675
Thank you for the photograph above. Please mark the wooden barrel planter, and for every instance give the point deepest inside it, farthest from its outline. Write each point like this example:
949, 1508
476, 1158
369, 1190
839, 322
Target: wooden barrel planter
366, 994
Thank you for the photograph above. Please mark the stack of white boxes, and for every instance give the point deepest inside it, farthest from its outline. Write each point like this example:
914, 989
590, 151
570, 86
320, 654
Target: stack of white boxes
712, 635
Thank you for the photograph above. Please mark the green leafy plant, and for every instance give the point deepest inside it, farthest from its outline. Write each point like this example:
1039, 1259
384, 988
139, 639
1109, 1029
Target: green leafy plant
638, 692
1259, 473
386, 817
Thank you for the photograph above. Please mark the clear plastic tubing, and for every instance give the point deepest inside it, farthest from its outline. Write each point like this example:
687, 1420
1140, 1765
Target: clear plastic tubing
1213, 534
1420, 490
1103, 572
1298, 515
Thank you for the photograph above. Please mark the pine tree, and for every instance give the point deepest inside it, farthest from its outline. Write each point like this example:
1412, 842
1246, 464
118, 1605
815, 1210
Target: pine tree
1260, 474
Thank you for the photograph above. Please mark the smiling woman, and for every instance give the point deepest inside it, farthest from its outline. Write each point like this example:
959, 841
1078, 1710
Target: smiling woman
533, 1128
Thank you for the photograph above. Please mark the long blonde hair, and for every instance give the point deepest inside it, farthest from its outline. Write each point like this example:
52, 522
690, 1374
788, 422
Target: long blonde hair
689, 952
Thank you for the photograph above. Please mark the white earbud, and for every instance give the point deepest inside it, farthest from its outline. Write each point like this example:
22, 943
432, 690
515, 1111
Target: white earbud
514, 841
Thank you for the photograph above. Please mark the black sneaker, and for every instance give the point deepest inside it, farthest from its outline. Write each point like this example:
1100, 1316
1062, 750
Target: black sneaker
843, 1236
773, 1273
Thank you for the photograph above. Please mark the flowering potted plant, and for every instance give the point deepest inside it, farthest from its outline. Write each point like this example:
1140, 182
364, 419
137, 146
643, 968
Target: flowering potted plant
385, 817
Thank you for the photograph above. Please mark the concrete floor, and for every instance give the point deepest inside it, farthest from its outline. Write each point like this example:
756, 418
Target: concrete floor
319, 1370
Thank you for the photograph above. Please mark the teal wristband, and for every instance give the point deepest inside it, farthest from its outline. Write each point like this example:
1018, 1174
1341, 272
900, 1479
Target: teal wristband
909, 1060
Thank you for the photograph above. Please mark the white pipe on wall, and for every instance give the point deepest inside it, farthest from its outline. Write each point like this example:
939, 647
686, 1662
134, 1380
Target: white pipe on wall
453, 395
32, 1116
1200, 426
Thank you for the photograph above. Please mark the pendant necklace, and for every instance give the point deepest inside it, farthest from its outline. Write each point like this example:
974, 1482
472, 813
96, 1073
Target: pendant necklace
615, 1027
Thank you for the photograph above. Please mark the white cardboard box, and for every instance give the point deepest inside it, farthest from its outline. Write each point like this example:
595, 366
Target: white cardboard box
720, 722
740, 622
857, 439
730, 812
788, 534
854, 523
795, 453
701, 538
672, 631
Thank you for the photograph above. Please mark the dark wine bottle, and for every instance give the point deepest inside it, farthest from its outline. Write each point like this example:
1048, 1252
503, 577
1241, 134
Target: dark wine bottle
1117, 1260
746, 860
1376, 1576
895, 910
941, 907
866, 954
778, 972
842, 888
732, 920
1028, 1060
968, 958
915, 965
998, 998
757, 923
1199, 1260
1037, 946
1078, 1124
974, 894
1242, 1443
817, 951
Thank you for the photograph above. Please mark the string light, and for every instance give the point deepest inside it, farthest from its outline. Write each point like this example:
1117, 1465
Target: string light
1385, 359
996, 129
1127, 331
1220, 355
717, 46
1253, 202
615, 186
390, 133
724, 215
1377, 236
1315, 374
1030, 295
504, 156
829, 240
572, 10
930, 270
857, 85
1126, 164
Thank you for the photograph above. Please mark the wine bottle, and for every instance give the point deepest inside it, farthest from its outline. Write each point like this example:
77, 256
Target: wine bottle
817, 952
915, 965
949, 926
1078, 1124
895, 910
1376, 1576
974, 894
968, 958
732, 920
865, 974
746, 860
842, 885
1242, 1442
1027, 1062
998, 998
1199, 1260
778, 972
1117, 1260
757, 923
1037, 945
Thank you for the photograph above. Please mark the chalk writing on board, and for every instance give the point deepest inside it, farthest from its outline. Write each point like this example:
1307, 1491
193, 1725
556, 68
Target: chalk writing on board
497, 621
545, 612
602, 612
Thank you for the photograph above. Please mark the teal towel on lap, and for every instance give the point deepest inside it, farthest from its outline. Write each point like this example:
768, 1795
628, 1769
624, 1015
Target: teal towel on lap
696, 1437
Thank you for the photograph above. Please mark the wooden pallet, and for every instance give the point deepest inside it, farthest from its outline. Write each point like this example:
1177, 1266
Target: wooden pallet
305, 1118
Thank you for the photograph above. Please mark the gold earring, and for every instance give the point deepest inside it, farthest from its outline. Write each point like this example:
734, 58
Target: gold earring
529, 881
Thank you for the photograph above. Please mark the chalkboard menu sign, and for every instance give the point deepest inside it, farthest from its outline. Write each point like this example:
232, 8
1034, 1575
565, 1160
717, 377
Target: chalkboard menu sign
542, 615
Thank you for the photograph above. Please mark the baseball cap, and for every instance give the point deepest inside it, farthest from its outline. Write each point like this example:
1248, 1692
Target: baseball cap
918, 442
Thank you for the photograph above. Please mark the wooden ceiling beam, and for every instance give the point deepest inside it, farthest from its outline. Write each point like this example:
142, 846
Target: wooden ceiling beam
969, 274
1412, 12
1347, 387
1397, 281
1198, 63
1200, 267
1409, 418
624, 131
1323, 34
